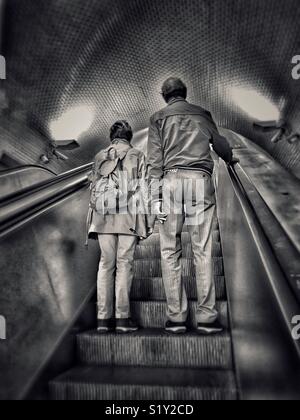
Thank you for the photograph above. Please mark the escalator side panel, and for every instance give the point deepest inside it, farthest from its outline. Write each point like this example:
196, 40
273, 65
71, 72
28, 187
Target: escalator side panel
46, 274
266, 364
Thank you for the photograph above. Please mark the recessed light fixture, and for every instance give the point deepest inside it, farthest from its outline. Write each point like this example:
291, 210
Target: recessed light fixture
257, 106
72, 123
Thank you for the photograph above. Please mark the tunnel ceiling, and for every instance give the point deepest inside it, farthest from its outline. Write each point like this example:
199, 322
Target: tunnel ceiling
110, 57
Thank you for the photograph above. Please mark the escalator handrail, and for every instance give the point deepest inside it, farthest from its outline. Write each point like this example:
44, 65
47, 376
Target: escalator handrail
16, 210
19, 169
284, 295
44, 184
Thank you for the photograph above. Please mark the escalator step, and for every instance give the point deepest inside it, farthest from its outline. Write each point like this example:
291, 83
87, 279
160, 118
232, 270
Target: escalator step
129, 384
152, 268
152, 288
153, 251
155, 348
153, 314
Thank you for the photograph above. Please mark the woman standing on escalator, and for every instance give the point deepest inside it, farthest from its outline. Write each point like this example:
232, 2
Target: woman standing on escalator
118, 174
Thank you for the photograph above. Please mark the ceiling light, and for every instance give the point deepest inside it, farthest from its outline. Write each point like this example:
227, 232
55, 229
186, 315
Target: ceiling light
66, 144
254, 104
72, 124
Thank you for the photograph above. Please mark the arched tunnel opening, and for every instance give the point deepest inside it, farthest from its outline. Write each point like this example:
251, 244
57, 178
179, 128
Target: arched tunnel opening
116, 111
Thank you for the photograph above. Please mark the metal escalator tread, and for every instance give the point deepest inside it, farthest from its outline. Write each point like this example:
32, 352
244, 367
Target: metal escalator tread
152, 267
154, 347
152, 288
123, 383
150, 314
145, 251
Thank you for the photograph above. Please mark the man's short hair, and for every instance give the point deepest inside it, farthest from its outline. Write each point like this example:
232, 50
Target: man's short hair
174, 88
121, 130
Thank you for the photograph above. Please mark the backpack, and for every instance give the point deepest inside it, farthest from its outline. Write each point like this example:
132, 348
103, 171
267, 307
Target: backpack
109, 191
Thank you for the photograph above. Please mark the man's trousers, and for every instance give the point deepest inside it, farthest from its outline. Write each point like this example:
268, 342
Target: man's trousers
188, 198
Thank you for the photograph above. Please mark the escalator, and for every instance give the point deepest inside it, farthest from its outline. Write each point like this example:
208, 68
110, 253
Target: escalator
151, 364
50, 307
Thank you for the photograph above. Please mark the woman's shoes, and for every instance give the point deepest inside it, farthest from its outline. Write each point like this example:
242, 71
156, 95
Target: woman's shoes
121, 326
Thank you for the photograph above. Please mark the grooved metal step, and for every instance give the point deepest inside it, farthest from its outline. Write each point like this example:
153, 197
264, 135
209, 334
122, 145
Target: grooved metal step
155, 348
153, 314
149, 384
152, 268
153, 251
152, 288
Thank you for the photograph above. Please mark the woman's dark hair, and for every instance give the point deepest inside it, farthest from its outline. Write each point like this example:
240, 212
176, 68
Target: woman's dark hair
121, 130
174, 88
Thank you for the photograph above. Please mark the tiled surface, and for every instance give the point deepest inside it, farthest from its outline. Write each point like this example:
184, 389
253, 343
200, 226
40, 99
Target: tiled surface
114, 55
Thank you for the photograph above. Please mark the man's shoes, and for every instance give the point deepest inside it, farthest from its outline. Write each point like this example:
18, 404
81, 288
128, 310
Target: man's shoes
105, 326
208, 329
176, 327
126, 326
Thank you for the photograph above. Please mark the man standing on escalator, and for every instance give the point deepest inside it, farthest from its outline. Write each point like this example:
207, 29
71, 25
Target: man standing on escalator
179, 155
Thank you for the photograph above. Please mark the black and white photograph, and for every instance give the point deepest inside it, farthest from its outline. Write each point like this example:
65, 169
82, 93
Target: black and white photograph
149, 203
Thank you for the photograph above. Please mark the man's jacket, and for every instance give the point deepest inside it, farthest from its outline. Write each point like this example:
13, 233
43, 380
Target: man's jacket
179, 138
